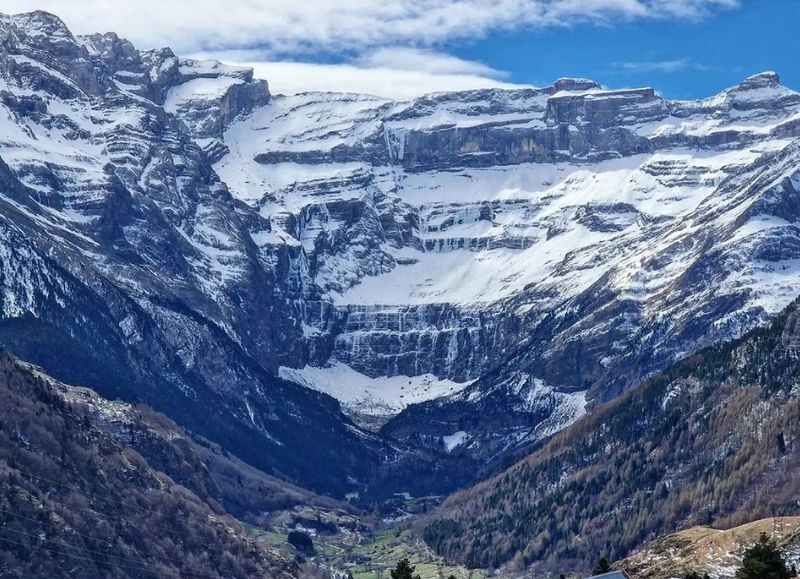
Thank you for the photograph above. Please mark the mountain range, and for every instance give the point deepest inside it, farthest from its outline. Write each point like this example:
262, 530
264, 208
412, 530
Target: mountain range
364, 296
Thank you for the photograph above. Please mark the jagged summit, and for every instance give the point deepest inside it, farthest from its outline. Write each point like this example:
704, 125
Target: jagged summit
38, 23
763, 79
757, 93
105, 64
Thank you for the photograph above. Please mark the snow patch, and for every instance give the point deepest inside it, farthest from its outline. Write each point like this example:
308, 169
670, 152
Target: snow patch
199, 89
452, 441
381, 396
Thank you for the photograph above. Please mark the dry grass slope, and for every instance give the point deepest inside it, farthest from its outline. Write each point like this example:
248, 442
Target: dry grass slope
706, 550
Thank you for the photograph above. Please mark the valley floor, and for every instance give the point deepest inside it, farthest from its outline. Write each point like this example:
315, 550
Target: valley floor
367, 547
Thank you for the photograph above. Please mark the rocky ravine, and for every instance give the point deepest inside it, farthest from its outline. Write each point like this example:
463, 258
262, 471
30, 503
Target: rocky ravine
171, 232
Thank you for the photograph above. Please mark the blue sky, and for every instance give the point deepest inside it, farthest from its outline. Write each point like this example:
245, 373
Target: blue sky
681, 58
401, 48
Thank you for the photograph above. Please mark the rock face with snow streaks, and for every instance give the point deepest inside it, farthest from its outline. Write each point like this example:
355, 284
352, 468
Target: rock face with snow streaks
568, 240
127, 264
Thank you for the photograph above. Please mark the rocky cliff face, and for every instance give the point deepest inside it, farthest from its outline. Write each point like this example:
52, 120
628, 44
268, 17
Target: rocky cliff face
499, 258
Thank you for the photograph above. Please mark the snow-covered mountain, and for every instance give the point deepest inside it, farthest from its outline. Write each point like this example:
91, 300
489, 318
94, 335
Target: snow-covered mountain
499, 258
128, 266
522, 251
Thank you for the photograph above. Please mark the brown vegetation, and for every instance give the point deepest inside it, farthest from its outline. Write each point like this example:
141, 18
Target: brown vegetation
704, 550
75, 502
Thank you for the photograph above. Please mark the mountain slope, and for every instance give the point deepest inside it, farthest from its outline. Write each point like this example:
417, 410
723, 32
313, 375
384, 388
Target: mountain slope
713, 551
73, 498
209, 471
712, 440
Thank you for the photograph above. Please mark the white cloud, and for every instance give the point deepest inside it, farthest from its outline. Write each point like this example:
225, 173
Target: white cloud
390, 42
665, 66
391, 74
287, 27
425, 60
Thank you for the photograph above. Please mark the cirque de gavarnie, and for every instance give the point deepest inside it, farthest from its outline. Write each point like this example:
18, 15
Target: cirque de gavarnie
359, 301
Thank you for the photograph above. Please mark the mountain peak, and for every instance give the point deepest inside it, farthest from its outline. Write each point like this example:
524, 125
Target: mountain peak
766, 79
574, 84
40, 23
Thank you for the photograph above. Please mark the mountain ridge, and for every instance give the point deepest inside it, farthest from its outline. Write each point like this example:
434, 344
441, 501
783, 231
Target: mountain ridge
172, 233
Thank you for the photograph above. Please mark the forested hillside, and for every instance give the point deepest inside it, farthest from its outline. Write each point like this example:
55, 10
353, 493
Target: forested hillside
76, 502
713, 440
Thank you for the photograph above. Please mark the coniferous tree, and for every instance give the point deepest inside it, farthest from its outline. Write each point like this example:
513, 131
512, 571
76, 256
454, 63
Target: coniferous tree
301, 541
603, 566
763, 561
404, 570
